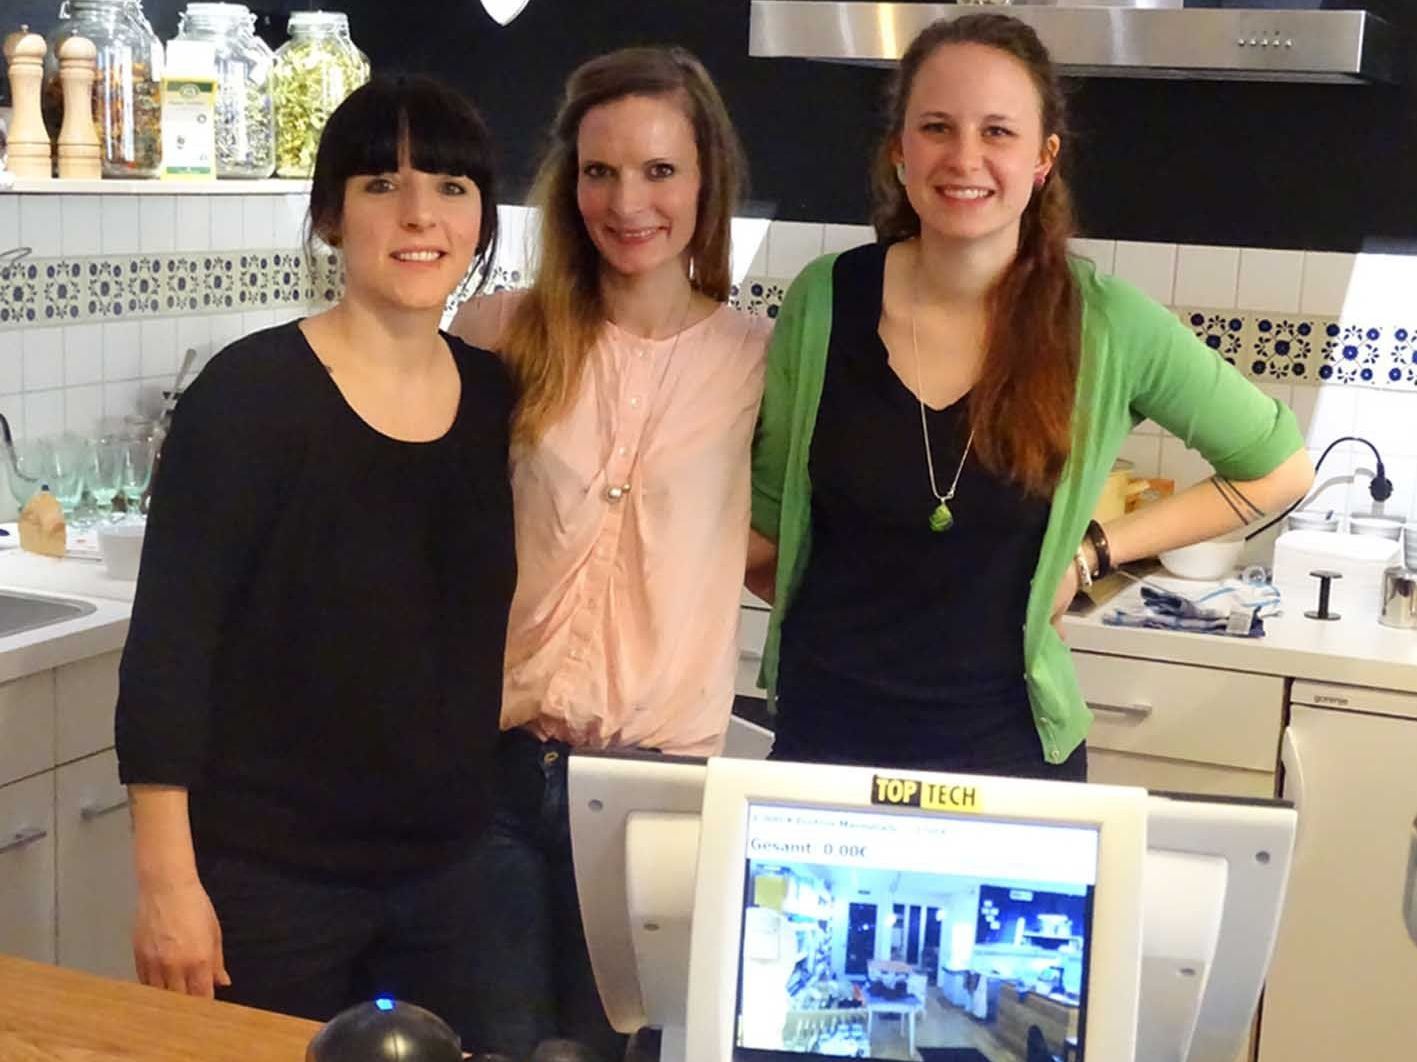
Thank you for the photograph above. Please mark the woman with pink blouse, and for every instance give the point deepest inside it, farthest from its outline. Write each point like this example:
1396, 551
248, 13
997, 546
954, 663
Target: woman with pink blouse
630, 477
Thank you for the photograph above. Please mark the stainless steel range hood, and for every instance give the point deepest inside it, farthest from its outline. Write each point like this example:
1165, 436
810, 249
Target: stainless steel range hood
1121, 38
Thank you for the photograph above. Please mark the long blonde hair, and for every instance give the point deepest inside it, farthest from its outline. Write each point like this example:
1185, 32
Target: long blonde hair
550, 335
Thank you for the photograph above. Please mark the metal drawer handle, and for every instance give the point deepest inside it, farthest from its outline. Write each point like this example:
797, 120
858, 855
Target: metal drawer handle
1409, 898
89, 812
22, 837
1138, 711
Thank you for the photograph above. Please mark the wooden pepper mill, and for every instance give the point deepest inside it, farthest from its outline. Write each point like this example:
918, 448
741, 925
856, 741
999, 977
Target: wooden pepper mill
79, 157
29, 147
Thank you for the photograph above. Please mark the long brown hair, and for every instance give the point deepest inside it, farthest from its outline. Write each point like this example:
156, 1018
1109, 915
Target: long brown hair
550, 335
1021, 408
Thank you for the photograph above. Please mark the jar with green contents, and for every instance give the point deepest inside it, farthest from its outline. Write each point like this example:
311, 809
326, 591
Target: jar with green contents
245, 106
127, 98
315, 70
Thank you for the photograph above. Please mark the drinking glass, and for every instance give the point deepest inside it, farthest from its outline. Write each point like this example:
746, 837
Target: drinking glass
137, 470
107, 462
69, 457
32, 457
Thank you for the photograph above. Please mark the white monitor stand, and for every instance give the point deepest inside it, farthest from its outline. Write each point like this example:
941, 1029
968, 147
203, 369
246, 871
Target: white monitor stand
1214, 883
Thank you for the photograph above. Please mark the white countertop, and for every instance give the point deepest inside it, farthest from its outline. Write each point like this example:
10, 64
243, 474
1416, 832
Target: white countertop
1354, 650
100, 631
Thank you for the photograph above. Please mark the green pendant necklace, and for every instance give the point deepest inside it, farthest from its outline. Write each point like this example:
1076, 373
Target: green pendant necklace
941, 518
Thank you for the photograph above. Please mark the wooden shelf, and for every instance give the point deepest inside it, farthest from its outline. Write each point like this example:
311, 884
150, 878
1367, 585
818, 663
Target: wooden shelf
155, 187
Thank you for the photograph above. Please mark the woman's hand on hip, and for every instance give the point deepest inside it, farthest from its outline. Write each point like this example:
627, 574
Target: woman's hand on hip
177, 939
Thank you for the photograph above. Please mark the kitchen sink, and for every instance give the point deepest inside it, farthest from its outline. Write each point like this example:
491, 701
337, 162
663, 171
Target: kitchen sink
27, 612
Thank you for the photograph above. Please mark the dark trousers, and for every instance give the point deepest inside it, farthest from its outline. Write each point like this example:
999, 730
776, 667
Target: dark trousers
311, 947
536, 982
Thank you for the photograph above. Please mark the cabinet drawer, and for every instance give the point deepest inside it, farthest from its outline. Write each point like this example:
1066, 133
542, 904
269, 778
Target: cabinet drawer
97, 890
86, 692
27, 868
1177, 776
26, 726
1180, 712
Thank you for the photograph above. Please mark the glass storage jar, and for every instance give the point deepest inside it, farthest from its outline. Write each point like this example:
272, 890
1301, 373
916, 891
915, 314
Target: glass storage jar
245, 106
314, 71
127, 97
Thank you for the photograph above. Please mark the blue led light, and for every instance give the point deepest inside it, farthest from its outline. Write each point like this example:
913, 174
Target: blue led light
384, 1003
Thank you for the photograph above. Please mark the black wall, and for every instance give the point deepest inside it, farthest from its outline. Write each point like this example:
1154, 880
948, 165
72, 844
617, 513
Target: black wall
1320, 167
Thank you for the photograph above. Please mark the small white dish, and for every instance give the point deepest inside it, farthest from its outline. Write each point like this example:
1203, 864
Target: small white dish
1313, 520
1389, 527
122, 548
1213, 559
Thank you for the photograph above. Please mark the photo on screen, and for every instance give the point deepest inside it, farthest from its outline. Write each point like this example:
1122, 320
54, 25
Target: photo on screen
926, 937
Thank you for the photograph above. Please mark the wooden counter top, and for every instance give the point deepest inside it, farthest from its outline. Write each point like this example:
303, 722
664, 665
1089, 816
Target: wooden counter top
48, 1014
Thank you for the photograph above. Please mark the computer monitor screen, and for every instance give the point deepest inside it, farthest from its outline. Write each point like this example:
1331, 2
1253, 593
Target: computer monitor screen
892, 935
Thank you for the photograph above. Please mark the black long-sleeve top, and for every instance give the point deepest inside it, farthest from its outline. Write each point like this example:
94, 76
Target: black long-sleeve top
317, 637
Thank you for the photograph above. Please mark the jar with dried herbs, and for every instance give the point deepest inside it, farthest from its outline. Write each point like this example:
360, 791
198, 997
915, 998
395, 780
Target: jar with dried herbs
127, 98
245, 106
315, 70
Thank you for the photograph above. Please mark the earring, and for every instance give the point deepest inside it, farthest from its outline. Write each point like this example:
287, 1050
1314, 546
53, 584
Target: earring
1040, 180
900, 172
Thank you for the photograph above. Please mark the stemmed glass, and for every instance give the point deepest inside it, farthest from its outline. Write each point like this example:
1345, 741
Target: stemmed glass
108, 459
137, 470
69, 459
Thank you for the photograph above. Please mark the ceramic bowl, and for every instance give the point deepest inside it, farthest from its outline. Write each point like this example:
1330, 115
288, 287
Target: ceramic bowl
122, 548
1313, 520
1389, 527
1213, 559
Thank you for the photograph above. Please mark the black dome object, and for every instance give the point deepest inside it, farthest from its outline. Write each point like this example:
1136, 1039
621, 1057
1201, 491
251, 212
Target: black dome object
385, 1031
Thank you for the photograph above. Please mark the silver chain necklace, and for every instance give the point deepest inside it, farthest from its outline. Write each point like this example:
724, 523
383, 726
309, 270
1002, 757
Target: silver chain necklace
941, 519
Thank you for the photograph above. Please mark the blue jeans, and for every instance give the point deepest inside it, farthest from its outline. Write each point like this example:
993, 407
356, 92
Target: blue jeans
311, 947
536, 982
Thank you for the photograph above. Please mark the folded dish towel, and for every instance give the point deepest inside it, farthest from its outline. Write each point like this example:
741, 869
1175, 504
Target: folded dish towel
1235, 611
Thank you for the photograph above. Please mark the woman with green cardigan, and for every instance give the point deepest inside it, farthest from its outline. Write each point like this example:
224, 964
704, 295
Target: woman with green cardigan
942, 408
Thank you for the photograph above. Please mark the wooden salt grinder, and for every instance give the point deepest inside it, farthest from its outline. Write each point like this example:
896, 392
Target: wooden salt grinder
78, 141
29, 147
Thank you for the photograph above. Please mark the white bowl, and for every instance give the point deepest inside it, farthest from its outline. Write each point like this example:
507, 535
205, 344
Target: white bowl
1389, 527
1313, 520
1410, 547
122, 548
1215, 558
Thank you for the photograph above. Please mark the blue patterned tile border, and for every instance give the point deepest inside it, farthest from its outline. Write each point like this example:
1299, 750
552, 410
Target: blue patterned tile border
43, 292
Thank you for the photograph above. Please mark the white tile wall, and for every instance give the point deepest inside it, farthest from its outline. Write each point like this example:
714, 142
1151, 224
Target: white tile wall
83, 354
1270, 280
1102, 253
1381, 288
791, 245
227, 222
122, 351
12, 366
1325, 285
121, 225
9, 222
83, 409
82, 225
750, 248
44, 413
43, 358
41, 224
1206, 276
158, 217
194, 223
1144, 451
844, 237
1149, 266
158, 349
258, 221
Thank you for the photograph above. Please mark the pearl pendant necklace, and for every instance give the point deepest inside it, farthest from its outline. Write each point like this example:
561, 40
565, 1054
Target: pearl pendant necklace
941, 517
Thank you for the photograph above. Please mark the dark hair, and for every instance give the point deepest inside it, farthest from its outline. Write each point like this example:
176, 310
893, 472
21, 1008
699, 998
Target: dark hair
551, 332
1021, 408
364, 135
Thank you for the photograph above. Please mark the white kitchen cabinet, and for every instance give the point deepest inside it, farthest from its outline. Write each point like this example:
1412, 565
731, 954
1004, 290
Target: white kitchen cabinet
66, 879
26, 726
1181, 728
96, 890
85, 693
27, 844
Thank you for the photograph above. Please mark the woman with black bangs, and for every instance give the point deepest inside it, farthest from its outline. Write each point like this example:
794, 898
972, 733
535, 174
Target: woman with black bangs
312, 681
